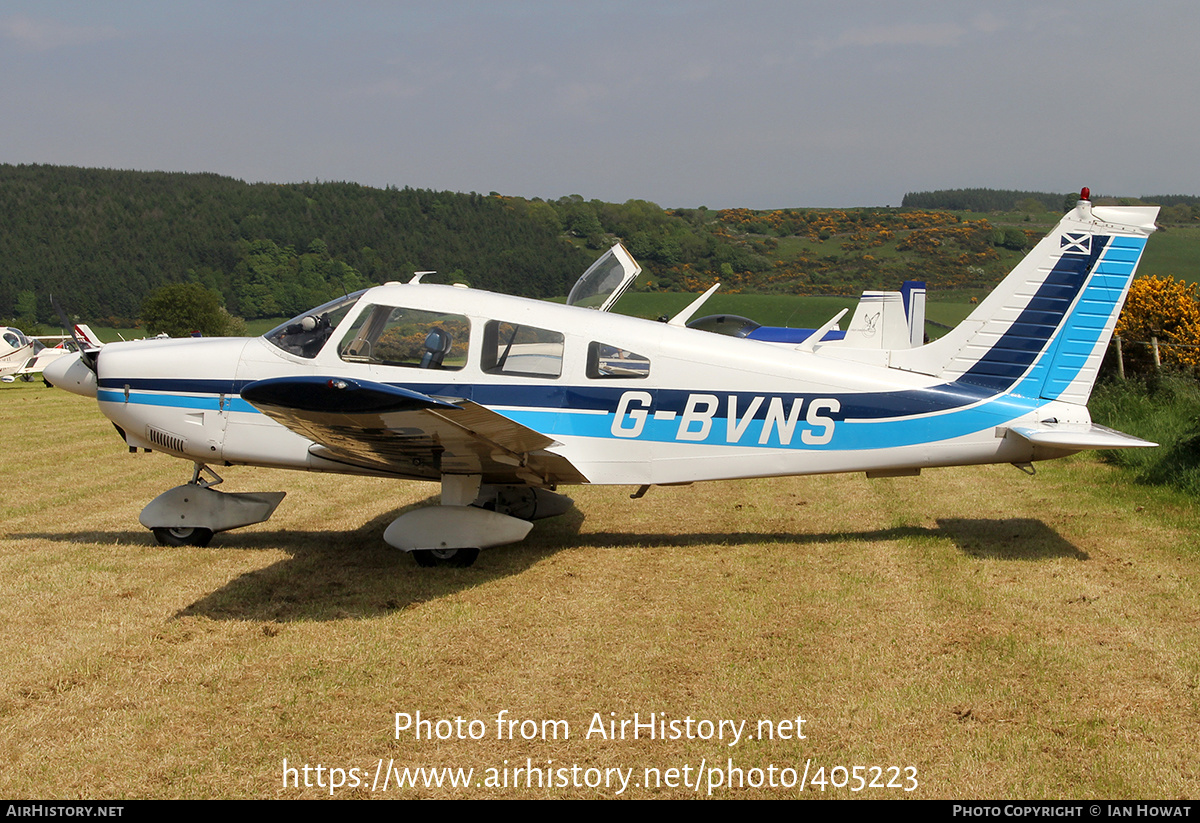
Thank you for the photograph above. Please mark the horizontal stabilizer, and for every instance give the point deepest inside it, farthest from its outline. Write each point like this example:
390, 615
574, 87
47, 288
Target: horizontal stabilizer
1079, 437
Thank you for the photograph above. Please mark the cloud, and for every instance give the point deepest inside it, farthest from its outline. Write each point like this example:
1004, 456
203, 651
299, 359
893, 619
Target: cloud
44, 35
904, 34
390, 87
583, 99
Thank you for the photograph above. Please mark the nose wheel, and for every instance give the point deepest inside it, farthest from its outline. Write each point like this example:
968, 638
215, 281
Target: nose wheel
176, 536
189, 515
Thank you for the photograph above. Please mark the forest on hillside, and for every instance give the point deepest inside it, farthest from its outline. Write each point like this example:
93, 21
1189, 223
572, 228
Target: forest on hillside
100, 241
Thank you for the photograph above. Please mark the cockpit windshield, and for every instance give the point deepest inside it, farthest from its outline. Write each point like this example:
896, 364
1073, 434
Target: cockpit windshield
305, 335
605, 280
15, 338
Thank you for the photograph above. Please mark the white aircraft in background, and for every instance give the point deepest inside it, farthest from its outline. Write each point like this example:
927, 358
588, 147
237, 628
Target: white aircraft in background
503, 399
24, 357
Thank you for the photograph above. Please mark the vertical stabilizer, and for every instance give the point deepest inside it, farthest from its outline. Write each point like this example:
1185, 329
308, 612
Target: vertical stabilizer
84, 331
878, 322
1042, 332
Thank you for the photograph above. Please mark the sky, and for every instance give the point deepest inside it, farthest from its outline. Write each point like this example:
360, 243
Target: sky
754, 103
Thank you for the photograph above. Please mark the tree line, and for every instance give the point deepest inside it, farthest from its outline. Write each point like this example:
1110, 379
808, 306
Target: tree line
1177, 208
988, 200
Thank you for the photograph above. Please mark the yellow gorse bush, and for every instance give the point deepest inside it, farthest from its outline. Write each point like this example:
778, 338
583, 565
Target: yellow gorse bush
1168, 309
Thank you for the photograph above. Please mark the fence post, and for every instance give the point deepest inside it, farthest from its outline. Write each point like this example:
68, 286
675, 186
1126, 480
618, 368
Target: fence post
1157, 360
1120, 358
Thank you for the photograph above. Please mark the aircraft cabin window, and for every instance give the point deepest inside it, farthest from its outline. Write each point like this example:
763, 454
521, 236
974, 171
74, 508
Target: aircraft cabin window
306, 334
605, 361
523, 351
410, 338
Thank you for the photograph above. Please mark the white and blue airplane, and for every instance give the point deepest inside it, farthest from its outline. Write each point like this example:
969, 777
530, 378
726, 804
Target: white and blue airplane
503, 399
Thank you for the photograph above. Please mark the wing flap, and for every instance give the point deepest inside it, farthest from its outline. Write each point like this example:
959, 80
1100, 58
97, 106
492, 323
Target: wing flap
388, 428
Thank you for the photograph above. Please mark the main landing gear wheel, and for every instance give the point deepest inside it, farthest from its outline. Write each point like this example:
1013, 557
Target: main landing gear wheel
183, 536
456, 558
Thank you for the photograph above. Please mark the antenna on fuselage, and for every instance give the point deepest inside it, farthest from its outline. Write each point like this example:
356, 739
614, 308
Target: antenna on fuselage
813, 339
87, 352
686, 315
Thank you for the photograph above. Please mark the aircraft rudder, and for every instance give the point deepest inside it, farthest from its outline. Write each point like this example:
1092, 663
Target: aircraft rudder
913, 294
1074, 362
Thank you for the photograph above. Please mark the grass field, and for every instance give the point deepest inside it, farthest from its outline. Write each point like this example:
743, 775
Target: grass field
1003, 636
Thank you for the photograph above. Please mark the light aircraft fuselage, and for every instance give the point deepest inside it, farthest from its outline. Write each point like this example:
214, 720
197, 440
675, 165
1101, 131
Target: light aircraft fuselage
503, 399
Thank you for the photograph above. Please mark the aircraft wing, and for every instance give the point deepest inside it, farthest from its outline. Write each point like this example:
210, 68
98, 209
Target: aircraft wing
377, 426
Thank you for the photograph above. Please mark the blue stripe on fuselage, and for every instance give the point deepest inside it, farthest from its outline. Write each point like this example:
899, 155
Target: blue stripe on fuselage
199, 402
863, 405
860, 421
847, 434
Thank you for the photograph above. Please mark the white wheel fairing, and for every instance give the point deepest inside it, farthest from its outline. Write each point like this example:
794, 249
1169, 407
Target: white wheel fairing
442, 528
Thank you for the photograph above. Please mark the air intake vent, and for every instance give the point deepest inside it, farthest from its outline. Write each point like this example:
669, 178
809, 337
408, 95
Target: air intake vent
165, 440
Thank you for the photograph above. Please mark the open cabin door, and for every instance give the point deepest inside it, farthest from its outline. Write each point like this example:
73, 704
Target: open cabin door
605, 280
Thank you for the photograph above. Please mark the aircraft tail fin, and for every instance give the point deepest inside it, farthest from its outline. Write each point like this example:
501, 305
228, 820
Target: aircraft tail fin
1043, 331
85, 331
885, 320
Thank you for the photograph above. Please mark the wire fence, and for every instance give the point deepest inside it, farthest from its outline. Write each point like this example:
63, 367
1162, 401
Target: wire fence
1155, 345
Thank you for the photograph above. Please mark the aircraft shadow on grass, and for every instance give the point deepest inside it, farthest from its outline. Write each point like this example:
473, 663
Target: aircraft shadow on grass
351, 574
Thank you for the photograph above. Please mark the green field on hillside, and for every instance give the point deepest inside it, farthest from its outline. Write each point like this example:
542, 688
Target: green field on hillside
793, 311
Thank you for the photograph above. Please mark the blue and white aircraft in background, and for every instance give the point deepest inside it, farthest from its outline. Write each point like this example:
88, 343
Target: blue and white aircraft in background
503, 399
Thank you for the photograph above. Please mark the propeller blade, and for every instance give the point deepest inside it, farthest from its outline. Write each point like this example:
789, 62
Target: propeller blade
87, 353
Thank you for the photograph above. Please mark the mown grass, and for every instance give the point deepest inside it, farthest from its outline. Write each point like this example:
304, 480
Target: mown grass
1007, 636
